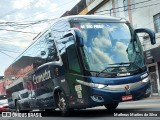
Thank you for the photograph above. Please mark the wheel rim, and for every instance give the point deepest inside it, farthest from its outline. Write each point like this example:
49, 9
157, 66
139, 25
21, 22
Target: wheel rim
62, 103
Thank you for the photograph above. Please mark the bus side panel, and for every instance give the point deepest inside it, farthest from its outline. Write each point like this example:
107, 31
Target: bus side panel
43, 92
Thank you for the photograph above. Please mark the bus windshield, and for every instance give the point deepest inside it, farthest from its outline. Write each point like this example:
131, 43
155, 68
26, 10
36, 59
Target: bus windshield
109, 45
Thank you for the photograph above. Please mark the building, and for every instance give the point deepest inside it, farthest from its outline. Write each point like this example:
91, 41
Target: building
141, 14
3, 84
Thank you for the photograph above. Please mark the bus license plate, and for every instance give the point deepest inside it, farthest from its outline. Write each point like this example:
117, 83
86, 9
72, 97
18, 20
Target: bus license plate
127, 97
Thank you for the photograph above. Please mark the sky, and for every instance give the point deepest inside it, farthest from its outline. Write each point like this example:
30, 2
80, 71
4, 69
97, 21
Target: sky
22, 20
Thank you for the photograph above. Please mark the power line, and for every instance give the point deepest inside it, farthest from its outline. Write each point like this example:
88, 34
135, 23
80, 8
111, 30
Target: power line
17, 10
7, 54
47, 10
127, 9
37, 13
123, 6
29, 24
23, 24
11, 38
9, 50
19, 31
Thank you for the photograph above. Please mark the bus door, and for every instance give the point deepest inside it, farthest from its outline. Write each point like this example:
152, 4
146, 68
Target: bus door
74, 72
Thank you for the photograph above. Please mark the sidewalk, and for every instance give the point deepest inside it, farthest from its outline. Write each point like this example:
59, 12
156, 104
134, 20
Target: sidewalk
154, 97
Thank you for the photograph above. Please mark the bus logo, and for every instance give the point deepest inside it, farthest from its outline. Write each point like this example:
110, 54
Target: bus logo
127, 87
42, 77
123, 74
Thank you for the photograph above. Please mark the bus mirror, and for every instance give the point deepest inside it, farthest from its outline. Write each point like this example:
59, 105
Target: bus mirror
79, 41
150, 33
68, 35
79, 37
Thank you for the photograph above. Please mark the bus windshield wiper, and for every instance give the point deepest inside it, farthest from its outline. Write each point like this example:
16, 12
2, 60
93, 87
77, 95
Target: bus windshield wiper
120, 65
111, 67
102, 71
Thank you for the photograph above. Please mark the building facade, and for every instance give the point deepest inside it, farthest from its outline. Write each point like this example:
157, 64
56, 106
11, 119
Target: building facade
141, 14
3, 84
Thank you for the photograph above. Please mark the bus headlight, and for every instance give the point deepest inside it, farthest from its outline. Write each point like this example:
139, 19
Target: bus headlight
100, 86
95, 85
145, 80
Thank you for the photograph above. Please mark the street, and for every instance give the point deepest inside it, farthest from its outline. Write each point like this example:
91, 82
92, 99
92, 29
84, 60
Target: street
143, 109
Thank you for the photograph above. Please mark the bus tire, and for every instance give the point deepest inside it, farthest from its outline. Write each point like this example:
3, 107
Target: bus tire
62, 104
112, 106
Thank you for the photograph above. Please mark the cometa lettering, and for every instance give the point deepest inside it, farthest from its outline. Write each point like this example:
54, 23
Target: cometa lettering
123, 74
42, 77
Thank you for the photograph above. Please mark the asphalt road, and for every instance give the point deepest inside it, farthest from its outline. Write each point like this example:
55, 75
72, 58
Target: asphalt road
144, 110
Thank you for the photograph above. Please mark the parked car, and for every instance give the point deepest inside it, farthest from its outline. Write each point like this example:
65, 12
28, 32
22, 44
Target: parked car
3, 104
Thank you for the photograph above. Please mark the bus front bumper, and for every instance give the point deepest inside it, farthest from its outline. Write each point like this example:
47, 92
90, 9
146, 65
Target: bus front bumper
104, 96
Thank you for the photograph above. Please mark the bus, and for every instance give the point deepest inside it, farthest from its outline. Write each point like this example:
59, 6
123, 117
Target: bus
83, 61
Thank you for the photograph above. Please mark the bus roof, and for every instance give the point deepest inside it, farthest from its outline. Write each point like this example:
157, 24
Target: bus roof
93, 18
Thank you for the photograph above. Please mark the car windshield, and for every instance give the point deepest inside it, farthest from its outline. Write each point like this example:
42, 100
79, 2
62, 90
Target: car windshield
4, 101
106, 44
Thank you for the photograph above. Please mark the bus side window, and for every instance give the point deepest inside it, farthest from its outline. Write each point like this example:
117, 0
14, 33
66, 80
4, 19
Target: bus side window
62, 51
52, 51
74, 65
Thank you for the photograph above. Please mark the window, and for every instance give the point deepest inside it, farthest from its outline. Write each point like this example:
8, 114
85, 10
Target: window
156, 19
52, 54
43, 50
73, 59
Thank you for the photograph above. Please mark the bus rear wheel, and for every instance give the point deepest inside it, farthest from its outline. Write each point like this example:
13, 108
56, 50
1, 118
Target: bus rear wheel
62, 104
112, 106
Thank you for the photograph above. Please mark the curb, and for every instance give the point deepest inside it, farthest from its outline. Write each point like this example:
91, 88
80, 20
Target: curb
154, 97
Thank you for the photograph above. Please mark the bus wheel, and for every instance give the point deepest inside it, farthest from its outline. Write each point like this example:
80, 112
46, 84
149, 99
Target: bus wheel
62, 104
111, 106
